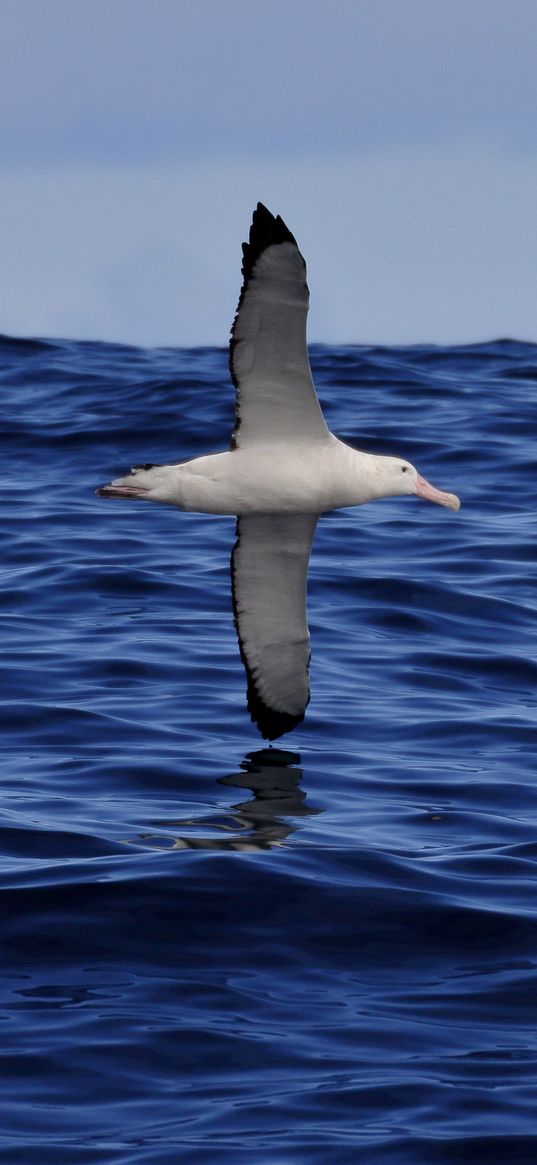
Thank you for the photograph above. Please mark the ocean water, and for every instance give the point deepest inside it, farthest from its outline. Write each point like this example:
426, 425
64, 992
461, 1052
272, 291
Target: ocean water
213, 951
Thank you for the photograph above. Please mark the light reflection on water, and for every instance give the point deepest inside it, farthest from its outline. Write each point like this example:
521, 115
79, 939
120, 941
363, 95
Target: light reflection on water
253, 825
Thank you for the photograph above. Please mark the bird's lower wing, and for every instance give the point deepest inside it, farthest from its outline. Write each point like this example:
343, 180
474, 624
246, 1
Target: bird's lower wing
269, 569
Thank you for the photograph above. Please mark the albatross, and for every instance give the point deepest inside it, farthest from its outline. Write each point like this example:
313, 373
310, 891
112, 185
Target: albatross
283, 471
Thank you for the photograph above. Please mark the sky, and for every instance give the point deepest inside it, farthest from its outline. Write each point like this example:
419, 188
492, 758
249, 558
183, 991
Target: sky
397, 138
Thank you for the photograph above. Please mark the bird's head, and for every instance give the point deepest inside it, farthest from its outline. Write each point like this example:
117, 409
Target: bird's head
400, 477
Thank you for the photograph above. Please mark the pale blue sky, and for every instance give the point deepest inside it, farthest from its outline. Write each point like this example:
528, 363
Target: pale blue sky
396, 137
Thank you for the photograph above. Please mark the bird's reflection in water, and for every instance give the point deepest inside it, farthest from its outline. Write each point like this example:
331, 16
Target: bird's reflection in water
273, 776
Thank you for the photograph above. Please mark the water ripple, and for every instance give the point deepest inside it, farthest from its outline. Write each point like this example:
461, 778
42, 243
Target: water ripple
320, 953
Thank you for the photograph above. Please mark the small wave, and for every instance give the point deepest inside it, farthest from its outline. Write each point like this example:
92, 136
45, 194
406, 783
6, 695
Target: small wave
321, 952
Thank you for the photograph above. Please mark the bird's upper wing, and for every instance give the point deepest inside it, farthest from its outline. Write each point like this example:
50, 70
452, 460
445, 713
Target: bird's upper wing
269, 569
276, 399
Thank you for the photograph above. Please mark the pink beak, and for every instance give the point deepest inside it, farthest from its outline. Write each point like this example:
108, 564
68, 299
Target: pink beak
427, 491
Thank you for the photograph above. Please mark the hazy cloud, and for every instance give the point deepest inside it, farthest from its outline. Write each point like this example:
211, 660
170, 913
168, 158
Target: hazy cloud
402, 246
396, 136
134, 80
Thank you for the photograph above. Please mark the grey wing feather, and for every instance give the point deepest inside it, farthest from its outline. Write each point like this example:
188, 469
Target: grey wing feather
276, 398
269, 569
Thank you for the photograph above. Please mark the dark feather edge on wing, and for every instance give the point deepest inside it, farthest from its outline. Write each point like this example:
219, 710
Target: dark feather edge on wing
270, 722
267, 230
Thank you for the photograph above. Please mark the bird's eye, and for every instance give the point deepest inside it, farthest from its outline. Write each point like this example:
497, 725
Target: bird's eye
404, 468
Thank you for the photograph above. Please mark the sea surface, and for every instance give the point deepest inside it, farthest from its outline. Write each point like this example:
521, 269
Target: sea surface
321, 953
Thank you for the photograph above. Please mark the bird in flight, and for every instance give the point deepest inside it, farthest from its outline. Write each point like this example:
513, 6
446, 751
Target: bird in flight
284, 469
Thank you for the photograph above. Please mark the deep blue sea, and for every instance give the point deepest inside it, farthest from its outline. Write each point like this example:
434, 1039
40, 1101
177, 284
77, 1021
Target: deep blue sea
212, 951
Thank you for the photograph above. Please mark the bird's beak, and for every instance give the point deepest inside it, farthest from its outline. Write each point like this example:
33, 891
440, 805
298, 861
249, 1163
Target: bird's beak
425, 490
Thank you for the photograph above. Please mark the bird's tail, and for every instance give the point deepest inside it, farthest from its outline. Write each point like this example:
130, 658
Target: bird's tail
142, 482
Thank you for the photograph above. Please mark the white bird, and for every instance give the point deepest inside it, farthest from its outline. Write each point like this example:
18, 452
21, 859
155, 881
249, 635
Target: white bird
284, 469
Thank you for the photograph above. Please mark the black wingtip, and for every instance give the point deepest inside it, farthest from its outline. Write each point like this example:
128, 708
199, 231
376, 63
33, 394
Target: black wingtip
264, 223
271, 724
267, 230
